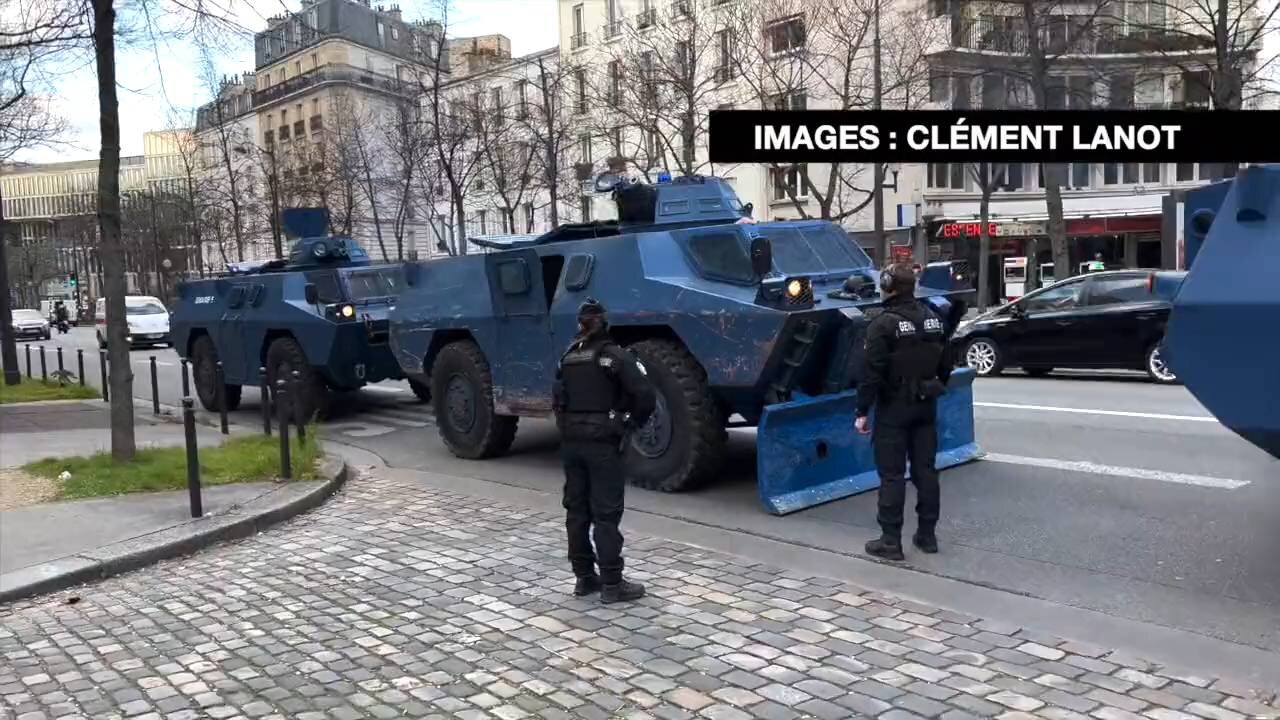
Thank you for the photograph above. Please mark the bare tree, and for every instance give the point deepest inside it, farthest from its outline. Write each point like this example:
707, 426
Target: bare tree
988, 177
507, 170
229, 172
406, 151
1235, 31
541, 114
660, 76
359, 157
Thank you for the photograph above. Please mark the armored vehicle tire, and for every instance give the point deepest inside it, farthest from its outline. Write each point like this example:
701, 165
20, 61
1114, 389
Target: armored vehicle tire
682, 446
421, 389
312, 397
204, 371
462, 391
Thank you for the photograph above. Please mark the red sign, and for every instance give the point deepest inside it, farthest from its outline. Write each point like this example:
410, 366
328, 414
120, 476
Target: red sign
973, 229
901, 253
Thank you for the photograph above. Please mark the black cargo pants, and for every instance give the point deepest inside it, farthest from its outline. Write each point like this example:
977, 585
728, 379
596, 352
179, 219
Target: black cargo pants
907, 430
594, 485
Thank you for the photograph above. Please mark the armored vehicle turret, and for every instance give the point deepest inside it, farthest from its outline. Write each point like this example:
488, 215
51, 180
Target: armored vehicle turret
739, 323
322, 312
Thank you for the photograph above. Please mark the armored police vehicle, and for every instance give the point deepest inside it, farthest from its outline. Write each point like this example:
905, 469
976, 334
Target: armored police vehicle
322, 312
738, 324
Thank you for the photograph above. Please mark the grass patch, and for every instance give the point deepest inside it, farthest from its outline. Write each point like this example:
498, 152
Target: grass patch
250, 458
32, 390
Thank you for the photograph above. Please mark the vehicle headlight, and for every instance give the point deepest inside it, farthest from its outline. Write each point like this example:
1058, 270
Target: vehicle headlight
794, 288
348, 311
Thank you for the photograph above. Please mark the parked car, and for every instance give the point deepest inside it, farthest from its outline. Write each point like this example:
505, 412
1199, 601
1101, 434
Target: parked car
147, 317
29, 324
1108, 319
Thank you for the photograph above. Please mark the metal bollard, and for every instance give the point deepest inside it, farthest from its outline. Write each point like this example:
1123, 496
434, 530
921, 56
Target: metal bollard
44, 369
80, 363
221, 383
28, 346
155, 388
193, 459
286, 467
297, 408
102, 363
186, 380
61, 369
263, 386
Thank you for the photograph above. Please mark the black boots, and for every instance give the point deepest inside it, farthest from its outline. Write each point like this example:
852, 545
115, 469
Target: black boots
887, 548
621, 592
926, 541
587, 585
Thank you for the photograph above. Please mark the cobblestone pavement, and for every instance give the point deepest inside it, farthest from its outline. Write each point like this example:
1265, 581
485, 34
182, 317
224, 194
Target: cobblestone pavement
398, 601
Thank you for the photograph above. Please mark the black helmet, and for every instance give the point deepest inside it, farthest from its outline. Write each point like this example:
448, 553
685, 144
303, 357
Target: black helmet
591, 307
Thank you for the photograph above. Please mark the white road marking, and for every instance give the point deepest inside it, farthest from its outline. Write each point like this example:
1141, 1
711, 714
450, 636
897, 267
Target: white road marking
382, 389
1141, 473
1092, 411
387, 417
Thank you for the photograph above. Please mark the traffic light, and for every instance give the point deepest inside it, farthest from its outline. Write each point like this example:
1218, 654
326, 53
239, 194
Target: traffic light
73, 280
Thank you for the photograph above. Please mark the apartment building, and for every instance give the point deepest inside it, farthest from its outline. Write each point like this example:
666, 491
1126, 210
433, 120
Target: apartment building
704, 55
1137, 54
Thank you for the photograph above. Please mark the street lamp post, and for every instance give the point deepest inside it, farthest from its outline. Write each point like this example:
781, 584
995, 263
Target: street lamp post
878, 180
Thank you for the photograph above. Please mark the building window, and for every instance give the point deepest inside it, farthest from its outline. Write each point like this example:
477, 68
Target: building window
580, 80
1144, 16
786, 35
788, 181
1195, 88
726, 61
522, 93
495, 101
484, 221
1081, 175
528, 217
1080, 92
615, 141
579, 38
615, 82
684, 58
795, 100
1120, 173
1120, 91
584, 148
382, 35
395, 33
1186, 172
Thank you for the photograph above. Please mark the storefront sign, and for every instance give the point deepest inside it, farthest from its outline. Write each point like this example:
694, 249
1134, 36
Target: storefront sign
974, 229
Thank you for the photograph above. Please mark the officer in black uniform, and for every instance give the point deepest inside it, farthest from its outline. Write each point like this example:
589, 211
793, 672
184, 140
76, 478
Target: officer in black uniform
908, 366
600, 391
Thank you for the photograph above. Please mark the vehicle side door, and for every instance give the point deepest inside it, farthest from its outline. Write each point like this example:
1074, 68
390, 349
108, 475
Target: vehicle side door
229, 336
1120, 319
523, 357
1048, 327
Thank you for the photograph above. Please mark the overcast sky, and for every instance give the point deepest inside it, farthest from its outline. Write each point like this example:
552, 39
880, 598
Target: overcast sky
161, 86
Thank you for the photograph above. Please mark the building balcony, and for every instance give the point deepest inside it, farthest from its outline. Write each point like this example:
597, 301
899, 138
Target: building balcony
612, 29
578, 41
333, 73
647, 18
1004, 36
681, 8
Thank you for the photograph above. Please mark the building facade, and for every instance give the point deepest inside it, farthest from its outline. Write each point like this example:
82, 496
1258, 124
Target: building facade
1138, 54
50, 213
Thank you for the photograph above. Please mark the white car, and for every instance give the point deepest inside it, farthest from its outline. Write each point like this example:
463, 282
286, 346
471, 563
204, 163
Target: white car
147, 317
29, 324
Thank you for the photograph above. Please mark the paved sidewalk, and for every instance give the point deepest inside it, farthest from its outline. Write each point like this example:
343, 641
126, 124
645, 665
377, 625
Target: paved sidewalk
59, 428
399, 600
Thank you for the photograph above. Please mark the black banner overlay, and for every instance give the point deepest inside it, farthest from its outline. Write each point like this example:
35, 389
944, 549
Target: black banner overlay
823, 136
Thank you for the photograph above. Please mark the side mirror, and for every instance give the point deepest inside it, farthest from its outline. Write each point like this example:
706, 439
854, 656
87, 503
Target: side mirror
1018, 311
761, 256
311, 293
748, 209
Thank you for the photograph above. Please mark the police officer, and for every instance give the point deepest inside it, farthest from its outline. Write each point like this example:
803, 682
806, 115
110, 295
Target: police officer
908, 367
600, 391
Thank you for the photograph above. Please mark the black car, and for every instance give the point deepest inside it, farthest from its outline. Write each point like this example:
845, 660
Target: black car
1111, 319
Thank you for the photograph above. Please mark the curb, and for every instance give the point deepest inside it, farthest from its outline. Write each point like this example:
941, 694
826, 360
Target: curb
279, 504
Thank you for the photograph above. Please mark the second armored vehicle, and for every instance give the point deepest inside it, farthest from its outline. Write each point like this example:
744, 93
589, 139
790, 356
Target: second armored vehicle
739, 324
322, 312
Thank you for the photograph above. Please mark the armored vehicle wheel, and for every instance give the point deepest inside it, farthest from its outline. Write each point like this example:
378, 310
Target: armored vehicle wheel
462, 389
421, 389
682, 445
204, 369
312, 398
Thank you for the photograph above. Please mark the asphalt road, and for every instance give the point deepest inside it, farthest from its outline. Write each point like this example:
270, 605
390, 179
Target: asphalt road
1101, 491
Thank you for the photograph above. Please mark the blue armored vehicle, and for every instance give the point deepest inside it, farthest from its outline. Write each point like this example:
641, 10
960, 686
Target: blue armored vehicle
1230, 292
738, 323
322, 312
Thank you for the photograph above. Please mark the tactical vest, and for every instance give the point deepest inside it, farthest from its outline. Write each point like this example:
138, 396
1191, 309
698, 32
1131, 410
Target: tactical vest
913, 361
589, 386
